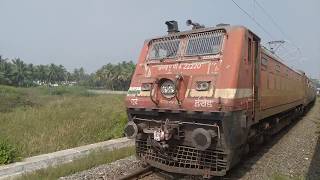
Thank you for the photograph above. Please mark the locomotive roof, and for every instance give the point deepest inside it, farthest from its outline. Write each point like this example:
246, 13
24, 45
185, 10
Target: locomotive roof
191, 31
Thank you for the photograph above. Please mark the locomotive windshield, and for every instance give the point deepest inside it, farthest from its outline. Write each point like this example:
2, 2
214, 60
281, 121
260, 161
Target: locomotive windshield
196, 44
204, 43
164, 48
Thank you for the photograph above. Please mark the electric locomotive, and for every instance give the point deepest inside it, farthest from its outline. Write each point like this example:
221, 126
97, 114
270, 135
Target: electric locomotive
200, 98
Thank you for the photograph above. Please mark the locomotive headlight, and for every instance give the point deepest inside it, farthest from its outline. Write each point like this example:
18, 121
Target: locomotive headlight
168, 88
146, 87
202, 85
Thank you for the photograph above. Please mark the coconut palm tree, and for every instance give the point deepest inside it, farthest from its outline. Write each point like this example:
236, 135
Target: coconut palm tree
20, 72
61, 73
6, 69
42, 73
52, 75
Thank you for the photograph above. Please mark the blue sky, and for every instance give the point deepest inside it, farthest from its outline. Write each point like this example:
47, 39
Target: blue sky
91, 33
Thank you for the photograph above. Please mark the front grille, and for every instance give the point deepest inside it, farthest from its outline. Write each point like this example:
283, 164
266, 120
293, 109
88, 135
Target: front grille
184, 157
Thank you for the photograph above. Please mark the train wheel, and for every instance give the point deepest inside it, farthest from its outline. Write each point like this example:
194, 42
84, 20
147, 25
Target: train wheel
246, 149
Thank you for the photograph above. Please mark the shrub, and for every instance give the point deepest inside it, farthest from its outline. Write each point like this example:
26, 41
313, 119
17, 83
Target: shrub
64, 90
7, 152
118, 124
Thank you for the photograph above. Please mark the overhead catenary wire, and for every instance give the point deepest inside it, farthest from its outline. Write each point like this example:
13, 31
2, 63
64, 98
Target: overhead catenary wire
277, 25
271, 19
262, 27
254, 20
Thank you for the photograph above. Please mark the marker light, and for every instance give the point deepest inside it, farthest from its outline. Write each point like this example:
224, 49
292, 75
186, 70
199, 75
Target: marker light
202, 85
146, 87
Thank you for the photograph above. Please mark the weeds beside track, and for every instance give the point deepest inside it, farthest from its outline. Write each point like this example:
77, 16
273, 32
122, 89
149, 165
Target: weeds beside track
42, 120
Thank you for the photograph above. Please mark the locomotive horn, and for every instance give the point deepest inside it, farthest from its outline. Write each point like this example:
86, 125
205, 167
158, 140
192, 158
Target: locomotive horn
194, 25
131, 130
189, 22
172, 26
201, 139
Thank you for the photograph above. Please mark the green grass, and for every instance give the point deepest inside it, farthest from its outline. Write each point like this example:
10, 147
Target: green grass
58, 118
11, 98
92, 160
278, 176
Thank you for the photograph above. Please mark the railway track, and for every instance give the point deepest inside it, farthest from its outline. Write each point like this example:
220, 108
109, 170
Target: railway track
150, 173
138, 173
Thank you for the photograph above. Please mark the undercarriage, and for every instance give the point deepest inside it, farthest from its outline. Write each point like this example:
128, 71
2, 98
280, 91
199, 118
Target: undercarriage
185, 142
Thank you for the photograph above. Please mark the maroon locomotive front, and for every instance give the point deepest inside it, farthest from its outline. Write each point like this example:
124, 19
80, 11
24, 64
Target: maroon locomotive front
199, 99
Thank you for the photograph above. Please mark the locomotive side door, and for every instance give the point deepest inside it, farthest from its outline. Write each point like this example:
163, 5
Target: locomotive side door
253, 56
256, 75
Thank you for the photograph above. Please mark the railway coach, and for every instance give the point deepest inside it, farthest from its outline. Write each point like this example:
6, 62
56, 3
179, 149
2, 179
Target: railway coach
200, 99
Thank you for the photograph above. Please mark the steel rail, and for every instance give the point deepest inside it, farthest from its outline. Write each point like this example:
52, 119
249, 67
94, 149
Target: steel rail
138, 173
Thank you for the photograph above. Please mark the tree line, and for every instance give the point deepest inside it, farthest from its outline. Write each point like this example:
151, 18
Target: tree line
16, 72
316, 82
